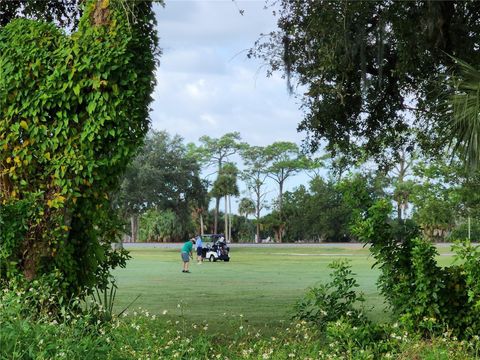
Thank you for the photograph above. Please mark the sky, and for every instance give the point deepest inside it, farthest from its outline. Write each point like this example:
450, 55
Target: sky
206, 85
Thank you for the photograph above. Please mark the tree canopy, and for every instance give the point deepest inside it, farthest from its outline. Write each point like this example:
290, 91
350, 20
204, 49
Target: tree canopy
65, 13
162, 176
372, 72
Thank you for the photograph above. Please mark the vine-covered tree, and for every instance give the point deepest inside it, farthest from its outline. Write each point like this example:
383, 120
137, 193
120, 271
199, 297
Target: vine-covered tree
73, 111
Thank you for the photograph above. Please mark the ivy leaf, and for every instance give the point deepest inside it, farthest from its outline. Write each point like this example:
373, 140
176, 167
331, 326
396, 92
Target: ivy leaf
76, 89
91, 107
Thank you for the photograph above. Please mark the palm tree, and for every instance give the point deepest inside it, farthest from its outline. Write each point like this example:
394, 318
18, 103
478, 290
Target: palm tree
465, 125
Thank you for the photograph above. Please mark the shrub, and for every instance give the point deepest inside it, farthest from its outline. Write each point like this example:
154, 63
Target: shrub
332, 301
426, 297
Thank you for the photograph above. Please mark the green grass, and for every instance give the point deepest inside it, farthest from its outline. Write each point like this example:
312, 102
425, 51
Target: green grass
262, 284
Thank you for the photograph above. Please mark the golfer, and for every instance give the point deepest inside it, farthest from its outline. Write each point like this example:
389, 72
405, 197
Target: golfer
187, 254
199, 243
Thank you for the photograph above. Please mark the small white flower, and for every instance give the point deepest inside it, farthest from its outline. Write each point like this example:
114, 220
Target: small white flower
165, 312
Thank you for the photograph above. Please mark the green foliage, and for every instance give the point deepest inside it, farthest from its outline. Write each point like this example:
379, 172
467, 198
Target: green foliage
461, 231
243, 229
360, 191
427, 297
254, 175
159, 226
73, 110
465, 127
319, 213
143, 333
469, 255
332, 301
445, 193
226, 182
162, 176
284, 161
359, 59
246, 207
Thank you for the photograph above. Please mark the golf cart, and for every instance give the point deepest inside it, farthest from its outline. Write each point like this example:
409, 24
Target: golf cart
217, 249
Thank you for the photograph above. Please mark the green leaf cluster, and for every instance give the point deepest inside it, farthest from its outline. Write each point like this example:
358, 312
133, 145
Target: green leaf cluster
428, 298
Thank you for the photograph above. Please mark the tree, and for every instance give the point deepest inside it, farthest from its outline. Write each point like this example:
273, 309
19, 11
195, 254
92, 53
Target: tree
313, 166
285, 161
360, 191
246, 207
371, 67
65, 13
255, 176
73, 110
163, 225
163, 176
224, 186
445, 194
214, 152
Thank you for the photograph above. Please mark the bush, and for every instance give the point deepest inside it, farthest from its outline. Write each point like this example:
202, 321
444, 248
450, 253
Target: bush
332, 301
429, 299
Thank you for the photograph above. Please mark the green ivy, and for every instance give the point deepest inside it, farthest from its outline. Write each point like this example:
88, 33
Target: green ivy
73, 111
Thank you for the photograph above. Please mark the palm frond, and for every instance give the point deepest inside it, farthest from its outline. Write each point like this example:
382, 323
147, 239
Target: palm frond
464, 128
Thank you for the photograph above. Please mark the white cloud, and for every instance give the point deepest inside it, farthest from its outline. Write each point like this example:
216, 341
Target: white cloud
209, 119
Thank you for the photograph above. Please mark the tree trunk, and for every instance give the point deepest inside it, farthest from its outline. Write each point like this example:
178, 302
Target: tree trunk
229, 217
215, 221
257, 215
5, 184
201, 224
134, 228
226, 219
100, 15
280, 200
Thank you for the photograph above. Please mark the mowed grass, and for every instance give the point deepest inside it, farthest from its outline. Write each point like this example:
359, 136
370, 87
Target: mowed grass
261, 284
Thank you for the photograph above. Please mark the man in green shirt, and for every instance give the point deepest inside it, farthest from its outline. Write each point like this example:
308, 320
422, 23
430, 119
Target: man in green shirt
187, 254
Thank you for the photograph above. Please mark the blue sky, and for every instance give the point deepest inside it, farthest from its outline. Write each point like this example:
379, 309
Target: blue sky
207, 86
